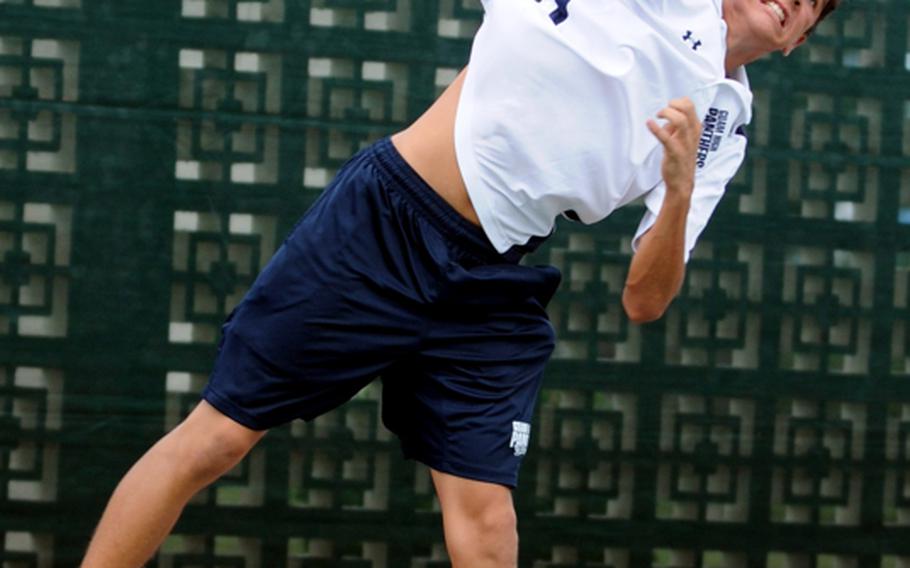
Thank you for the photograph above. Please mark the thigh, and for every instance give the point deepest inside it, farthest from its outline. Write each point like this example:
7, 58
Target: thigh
326, 315
466, 500
464, 405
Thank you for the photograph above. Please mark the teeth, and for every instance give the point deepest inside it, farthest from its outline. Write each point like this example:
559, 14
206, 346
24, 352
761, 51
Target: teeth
781, 15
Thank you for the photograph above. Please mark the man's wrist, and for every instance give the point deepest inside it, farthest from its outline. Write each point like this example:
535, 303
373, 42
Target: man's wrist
681, 194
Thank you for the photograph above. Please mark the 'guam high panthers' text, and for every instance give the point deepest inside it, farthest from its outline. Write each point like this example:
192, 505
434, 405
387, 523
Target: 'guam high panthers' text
712, 133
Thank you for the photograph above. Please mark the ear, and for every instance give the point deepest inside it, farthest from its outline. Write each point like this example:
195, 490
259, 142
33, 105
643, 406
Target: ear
789, 49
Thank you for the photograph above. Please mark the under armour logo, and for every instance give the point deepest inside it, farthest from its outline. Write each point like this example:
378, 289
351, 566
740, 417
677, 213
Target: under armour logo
561, 13
690, 37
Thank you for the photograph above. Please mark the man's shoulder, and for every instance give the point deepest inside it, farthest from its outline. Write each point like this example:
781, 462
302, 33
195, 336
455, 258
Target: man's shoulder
693, 32
703, 14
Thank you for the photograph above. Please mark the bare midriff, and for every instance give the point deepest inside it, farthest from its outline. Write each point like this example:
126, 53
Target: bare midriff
428, 146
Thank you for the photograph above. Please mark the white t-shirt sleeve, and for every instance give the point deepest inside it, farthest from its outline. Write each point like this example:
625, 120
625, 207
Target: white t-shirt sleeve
710, 183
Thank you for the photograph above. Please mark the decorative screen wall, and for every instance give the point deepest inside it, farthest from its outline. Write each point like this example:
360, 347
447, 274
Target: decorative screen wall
153, 154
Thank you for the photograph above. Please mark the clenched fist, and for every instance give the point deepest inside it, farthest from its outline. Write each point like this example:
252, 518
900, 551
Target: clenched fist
679, 137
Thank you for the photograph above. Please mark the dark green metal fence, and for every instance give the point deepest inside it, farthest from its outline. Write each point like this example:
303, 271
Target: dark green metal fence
153, 152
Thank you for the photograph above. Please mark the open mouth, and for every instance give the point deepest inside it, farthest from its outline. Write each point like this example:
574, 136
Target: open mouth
778, 10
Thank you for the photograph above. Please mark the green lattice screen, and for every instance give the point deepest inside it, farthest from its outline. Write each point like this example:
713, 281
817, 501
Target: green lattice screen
154, 152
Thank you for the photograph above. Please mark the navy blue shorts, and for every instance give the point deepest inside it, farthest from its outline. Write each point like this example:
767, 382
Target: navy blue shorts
381, 277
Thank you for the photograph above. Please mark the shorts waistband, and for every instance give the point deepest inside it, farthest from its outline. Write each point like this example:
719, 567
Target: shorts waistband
468, 236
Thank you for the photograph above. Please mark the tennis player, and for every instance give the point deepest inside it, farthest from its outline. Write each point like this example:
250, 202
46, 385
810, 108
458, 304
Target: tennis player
407, 267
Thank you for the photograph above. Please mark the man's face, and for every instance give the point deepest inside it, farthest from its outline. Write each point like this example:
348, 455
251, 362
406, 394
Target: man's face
775, 25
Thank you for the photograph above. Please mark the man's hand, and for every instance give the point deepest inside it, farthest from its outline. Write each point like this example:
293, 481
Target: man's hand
679, 136
657, 269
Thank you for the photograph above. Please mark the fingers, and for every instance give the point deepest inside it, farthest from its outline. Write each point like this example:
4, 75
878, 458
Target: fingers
673, 115
662, 134
685, 106
676, 120
681, 120
680, 113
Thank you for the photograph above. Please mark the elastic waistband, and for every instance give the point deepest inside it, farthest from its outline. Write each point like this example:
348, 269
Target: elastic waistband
462, 232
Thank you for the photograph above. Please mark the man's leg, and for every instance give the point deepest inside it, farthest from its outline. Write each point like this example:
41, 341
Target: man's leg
479, 522
149, 499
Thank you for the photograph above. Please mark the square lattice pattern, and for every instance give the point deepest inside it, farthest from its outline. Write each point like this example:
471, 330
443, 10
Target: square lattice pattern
154, 154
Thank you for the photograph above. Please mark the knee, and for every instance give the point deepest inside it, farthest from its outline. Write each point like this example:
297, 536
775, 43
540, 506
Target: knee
498, 521
484, 537
212, 455
206, 450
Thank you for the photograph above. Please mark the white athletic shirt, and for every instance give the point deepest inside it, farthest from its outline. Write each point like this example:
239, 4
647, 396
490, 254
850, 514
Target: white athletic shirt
552, 116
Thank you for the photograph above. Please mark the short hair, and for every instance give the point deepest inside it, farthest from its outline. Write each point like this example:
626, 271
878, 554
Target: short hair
830, 6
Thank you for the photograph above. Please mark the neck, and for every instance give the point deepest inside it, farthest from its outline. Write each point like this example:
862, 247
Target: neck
738, 55
740, 51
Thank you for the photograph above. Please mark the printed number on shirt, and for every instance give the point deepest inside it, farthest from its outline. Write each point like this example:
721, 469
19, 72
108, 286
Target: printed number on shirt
561, 13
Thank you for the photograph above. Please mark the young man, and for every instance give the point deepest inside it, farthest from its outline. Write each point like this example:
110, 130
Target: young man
407, 266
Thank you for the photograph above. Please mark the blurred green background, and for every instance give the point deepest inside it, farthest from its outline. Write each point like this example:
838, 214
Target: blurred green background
154, 153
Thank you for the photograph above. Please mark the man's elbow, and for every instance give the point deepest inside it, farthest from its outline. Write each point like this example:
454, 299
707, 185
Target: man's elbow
640, 309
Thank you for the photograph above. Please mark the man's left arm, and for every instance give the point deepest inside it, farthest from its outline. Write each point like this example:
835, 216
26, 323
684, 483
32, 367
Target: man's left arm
678, 210
657, 268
